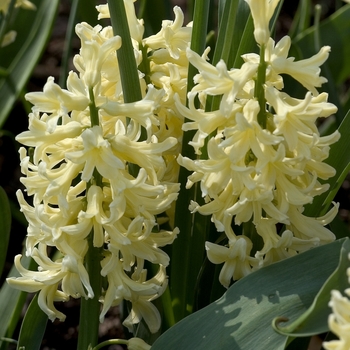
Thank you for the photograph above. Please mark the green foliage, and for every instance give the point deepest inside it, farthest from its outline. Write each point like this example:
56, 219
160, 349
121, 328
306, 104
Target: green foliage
11, 305
241, 318
5, 226
33, 327
20, 58
314, 320
333, 31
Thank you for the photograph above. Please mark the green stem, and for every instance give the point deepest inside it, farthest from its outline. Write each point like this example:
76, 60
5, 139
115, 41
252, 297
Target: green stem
259, 91
145, 66
90, 308
126, 59
187, 252
127, 64
93, 109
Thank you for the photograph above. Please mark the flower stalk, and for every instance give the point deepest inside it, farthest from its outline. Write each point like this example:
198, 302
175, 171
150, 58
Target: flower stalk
90, 307
259, 92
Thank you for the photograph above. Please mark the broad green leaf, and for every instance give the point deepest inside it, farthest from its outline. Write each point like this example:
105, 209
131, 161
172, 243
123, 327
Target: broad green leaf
5, 226
33, 327
241, 318
20, 58
11, 304
314, 320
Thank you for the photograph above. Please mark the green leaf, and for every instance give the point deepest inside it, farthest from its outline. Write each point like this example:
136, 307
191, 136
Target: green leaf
335, 32
186, 258
314, 320
126, 58
20, 57
241, 318
5, 226
33, 327
302, 18
11, 304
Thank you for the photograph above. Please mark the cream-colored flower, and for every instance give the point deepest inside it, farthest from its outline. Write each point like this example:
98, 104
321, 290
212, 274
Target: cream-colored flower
26, 4
262, 12
236, 258
263, 166
98, 175
95, 50
135, 25
96, 153
172, 36
306, 71
138, 344
69, 271
8, 38
339, 319
137, 290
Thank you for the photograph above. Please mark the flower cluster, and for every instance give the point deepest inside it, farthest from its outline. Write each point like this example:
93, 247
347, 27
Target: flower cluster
265, 154
339, 320
102, 172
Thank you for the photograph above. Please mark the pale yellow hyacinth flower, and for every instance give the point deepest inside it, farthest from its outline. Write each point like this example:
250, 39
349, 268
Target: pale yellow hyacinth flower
306, 71
236, 258
26, 4
9, 38
81, 179
138, 344
339, 319
260, 175
262, 11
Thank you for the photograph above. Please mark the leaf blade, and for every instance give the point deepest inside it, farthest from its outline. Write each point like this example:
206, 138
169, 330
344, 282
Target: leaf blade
20, 64
251, 303
5, 226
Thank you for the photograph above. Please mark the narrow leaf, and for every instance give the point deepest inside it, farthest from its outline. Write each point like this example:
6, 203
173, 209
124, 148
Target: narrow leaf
186, 264
335, 32
33, 327
11, 304
20, 58
5, 226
